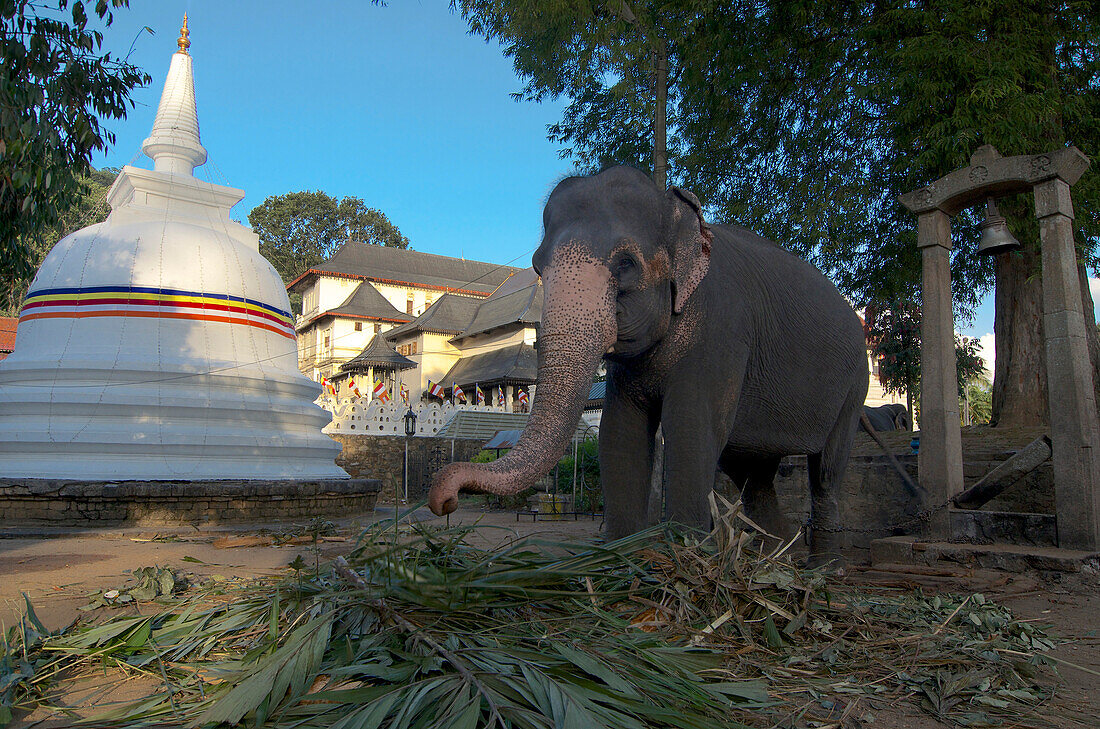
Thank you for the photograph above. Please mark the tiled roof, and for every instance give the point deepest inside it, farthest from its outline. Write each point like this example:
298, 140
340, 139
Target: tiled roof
449, 314
369, 302
379, 353
520, 278
399, 265
365, 302
7, 334
508, 305
596, 395
517, 364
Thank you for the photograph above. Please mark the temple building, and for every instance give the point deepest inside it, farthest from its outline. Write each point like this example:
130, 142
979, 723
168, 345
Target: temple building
367, 289
159, 344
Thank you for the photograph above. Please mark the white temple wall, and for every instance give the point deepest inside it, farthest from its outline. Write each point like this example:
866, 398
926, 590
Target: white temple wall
876, 393
357, 416
435, 361
399, 296
334, 291
347, 342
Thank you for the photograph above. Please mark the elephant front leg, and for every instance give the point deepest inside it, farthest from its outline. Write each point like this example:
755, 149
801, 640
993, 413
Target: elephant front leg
626, 462
697, 417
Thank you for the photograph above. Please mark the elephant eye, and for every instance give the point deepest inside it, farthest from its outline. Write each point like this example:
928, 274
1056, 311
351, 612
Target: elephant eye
625, 265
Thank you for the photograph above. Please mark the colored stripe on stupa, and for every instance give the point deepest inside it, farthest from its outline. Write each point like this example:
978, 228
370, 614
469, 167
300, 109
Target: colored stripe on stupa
161, 303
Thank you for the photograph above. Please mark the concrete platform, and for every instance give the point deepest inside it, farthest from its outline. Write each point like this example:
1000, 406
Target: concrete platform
910, 550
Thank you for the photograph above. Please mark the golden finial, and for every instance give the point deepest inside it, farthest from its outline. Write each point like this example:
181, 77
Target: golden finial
184, 32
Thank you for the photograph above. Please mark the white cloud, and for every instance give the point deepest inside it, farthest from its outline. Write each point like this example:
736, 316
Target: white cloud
989, 353
1094, 288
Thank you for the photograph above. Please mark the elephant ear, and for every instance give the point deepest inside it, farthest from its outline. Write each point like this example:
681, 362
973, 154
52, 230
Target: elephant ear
689, 241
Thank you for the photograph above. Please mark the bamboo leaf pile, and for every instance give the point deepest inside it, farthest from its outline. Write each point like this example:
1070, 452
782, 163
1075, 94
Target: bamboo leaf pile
663, 629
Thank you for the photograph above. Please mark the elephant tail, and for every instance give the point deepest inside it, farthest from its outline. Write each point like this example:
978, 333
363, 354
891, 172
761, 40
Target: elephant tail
911, 486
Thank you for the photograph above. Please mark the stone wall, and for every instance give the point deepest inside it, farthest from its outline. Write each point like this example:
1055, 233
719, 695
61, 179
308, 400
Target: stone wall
34, 502
383, 458
873, 501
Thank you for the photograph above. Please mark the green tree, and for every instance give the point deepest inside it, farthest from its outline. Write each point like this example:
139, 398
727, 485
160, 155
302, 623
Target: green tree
87, 206
617, 61
300, 229
976, 403
56, 85
805, 119
812, 117
895, 336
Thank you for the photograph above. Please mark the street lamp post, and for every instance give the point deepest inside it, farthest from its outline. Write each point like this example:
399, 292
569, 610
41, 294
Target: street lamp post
410, 430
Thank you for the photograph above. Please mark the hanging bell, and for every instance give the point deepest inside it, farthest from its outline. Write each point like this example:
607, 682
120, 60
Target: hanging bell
996, 237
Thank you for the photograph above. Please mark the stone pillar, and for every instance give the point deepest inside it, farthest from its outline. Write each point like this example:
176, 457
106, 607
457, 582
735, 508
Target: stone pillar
1073, 414
940, 461
508, 404
370, 384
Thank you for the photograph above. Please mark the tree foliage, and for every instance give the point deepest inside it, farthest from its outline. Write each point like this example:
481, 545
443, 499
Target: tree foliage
300, 229
976, 402
56, 85
87, 206
806, 119
617, 61
895, 336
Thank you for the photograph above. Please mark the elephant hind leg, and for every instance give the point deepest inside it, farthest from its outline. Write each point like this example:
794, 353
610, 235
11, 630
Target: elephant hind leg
826, 471
755, 478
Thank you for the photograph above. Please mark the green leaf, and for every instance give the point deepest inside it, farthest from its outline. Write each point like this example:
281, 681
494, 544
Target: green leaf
594, 667
755, 691
140, 636
771, 634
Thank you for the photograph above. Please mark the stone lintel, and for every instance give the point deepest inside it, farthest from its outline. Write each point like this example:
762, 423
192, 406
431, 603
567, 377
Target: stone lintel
990, 176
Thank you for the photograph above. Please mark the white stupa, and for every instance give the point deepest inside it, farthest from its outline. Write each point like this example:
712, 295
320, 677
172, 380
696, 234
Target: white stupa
159, 345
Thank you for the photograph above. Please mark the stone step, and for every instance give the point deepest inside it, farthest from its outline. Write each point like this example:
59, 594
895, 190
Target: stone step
1004, 527
910, 550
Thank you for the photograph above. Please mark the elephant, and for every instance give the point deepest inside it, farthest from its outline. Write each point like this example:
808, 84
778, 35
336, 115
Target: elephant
742, 352
893, 416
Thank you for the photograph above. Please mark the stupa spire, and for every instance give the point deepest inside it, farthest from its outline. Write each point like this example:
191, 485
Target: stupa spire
174, 142
184, 42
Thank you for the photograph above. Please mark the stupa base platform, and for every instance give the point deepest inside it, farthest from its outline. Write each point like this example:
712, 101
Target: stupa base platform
53, 502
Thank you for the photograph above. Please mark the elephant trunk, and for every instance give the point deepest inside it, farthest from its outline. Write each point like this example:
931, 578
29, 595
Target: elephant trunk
578, 327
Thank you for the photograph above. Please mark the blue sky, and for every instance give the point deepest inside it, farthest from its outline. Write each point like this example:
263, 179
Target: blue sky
396, 105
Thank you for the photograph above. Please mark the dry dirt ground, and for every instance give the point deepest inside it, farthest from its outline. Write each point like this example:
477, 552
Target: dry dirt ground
59, 572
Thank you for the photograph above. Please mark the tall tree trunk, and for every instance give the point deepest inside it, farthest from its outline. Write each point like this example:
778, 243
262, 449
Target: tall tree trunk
1092, 336
1020, 381
660, 115
1020, 375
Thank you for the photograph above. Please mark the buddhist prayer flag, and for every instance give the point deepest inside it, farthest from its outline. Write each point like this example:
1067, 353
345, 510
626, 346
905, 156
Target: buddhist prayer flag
354, 387
326, 385
381, 392
523, 397
500, 395
404, 394
436, 390
456, 391
480, 394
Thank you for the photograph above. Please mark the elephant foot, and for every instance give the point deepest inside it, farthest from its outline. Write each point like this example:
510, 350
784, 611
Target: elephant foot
825, 551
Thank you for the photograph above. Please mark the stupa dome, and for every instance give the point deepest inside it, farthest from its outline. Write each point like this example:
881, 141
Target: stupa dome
159, 344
